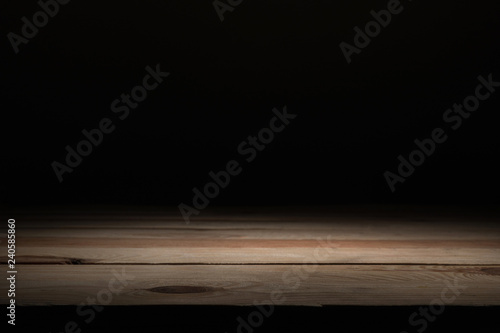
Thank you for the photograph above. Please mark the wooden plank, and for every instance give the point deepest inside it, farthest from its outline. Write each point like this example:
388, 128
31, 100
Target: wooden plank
278, 242
259, 255
342, 230
238, 259
246, 284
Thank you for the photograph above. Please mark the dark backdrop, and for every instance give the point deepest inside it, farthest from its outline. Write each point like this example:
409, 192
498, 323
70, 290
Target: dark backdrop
225, 77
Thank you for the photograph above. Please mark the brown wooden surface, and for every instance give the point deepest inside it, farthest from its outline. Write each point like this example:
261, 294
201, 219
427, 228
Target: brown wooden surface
388, 258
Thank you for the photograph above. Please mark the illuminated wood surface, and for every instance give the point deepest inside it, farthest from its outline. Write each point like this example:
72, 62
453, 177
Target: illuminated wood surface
230, 258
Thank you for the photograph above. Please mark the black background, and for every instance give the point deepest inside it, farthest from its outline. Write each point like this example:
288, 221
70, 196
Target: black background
353, 120
226, 77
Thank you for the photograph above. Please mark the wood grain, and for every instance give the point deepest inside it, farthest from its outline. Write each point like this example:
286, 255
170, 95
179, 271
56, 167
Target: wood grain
370, 257
247, 284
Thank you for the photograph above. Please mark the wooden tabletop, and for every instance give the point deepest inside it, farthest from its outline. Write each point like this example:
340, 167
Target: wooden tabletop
244, 257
